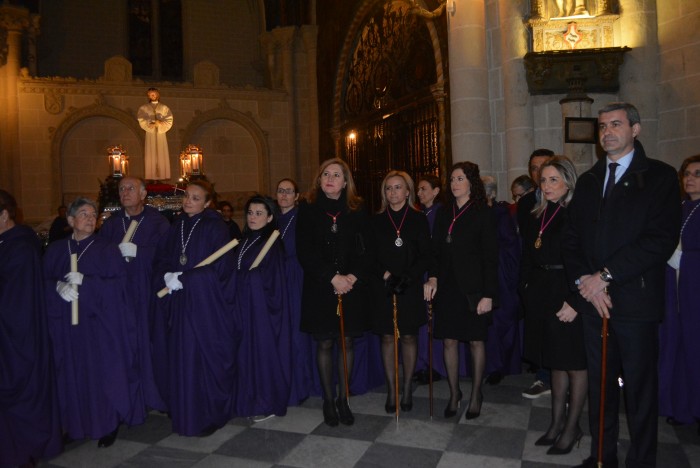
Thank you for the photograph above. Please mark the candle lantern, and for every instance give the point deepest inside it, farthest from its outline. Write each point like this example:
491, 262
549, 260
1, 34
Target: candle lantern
191, 163
196, 159
118, 161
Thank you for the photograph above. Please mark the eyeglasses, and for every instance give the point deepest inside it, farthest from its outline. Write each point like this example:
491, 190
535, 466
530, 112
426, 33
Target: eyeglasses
286, 191
695, 174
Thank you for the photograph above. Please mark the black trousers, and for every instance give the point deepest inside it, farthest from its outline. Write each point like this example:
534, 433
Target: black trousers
633, 352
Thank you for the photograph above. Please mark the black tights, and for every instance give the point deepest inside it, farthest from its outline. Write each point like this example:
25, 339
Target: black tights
571, 386
324, 361
409, 353
477, 350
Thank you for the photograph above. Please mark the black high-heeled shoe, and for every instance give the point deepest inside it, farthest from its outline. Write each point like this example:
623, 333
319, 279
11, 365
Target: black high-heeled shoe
330, 415
389, 407
546, 441
554, 450
474, 414
407, 406
449, 412
345, 415
108, 440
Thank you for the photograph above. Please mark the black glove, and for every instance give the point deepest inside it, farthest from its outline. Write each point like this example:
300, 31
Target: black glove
390, 284
402, 284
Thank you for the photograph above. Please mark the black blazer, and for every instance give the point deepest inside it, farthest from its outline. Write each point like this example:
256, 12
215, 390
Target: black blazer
632, 235
472, 256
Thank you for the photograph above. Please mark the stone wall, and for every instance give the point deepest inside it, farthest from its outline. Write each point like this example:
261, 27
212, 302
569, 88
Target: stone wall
679, 75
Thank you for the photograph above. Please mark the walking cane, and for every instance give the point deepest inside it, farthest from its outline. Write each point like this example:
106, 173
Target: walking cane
396, 357
603, 372
342, 345
430, 356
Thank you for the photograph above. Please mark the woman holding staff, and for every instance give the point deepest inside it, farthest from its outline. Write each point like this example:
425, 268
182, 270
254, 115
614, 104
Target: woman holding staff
333, 245
403, 255
466, 244
95, 359
194, 328
263, 321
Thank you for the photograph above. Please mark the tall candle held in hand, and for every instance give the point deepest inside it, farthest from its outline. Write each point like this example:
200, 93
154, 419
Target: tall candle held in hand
74, 303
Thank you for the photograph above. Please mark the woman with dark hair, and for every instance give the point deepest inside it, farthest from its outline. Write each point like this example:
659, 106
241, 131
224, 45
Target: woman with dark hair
553, 335
678, 369
466, 243
333, 245
95, 358
403, 255
193, 351
263, 322
302, 369
430, 196
29, 420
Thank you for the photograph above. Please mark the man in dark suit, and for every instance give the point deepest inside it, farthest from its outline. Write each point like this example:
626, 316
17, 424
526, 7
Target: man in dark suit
624, 225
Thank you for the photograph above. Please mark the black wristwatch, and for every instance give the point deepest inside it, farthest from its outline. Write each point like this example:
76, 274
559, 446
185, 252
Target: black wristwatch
606, 276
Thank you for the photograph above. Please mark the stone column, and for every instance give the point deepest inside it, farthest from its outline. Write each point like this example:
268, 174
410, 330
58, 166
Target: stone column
309, 34
14, 20
639, 72
438, 91
284, 38
469, 90
519, 135
155, 40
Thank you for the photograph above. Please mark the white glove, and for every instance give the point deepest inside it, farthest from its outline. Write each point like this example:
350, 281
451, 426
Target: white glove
66, 291
128, 249
172, 282
74, 277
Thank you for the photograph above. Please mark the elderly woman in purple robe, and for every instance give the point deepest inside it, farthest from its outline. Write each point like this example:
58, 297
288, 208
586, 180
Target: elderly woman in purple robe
94, 359
678, 368
29, 420
263, 320
194, 330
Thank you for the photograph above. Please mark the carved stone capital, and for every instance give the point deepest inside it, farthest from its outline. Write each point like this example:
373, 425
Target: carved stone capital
14, 18
284, 37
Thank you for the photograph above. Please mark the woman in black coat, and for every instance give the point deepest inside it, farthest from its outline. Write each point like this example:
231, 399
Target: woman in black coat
403, 255
553, 329
333, 233
465, 238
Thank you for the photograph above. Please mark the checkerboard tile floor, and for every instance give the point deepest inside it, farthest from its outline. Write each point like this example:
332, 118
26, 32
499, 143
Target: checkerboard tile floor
503, 437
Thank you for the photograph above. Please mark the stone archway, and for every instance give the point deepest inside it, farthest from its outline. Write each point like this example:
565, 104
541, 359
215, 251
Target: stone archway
258, 135
99, 109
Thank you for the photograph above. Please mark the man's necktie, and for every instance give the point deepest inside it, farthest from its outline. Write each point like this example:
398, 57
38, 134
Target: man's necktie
611, 181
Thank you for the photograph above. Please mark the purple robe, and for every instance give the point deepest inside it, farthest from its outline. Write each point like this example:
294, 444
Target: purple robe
302, 344
150, 231
29, 420
263, 326
95, 363
194, 359
503, 344
679, 372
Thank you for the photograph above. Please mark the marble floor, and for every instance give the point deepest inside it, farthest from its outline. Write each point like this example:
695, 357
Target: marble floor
503, 436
